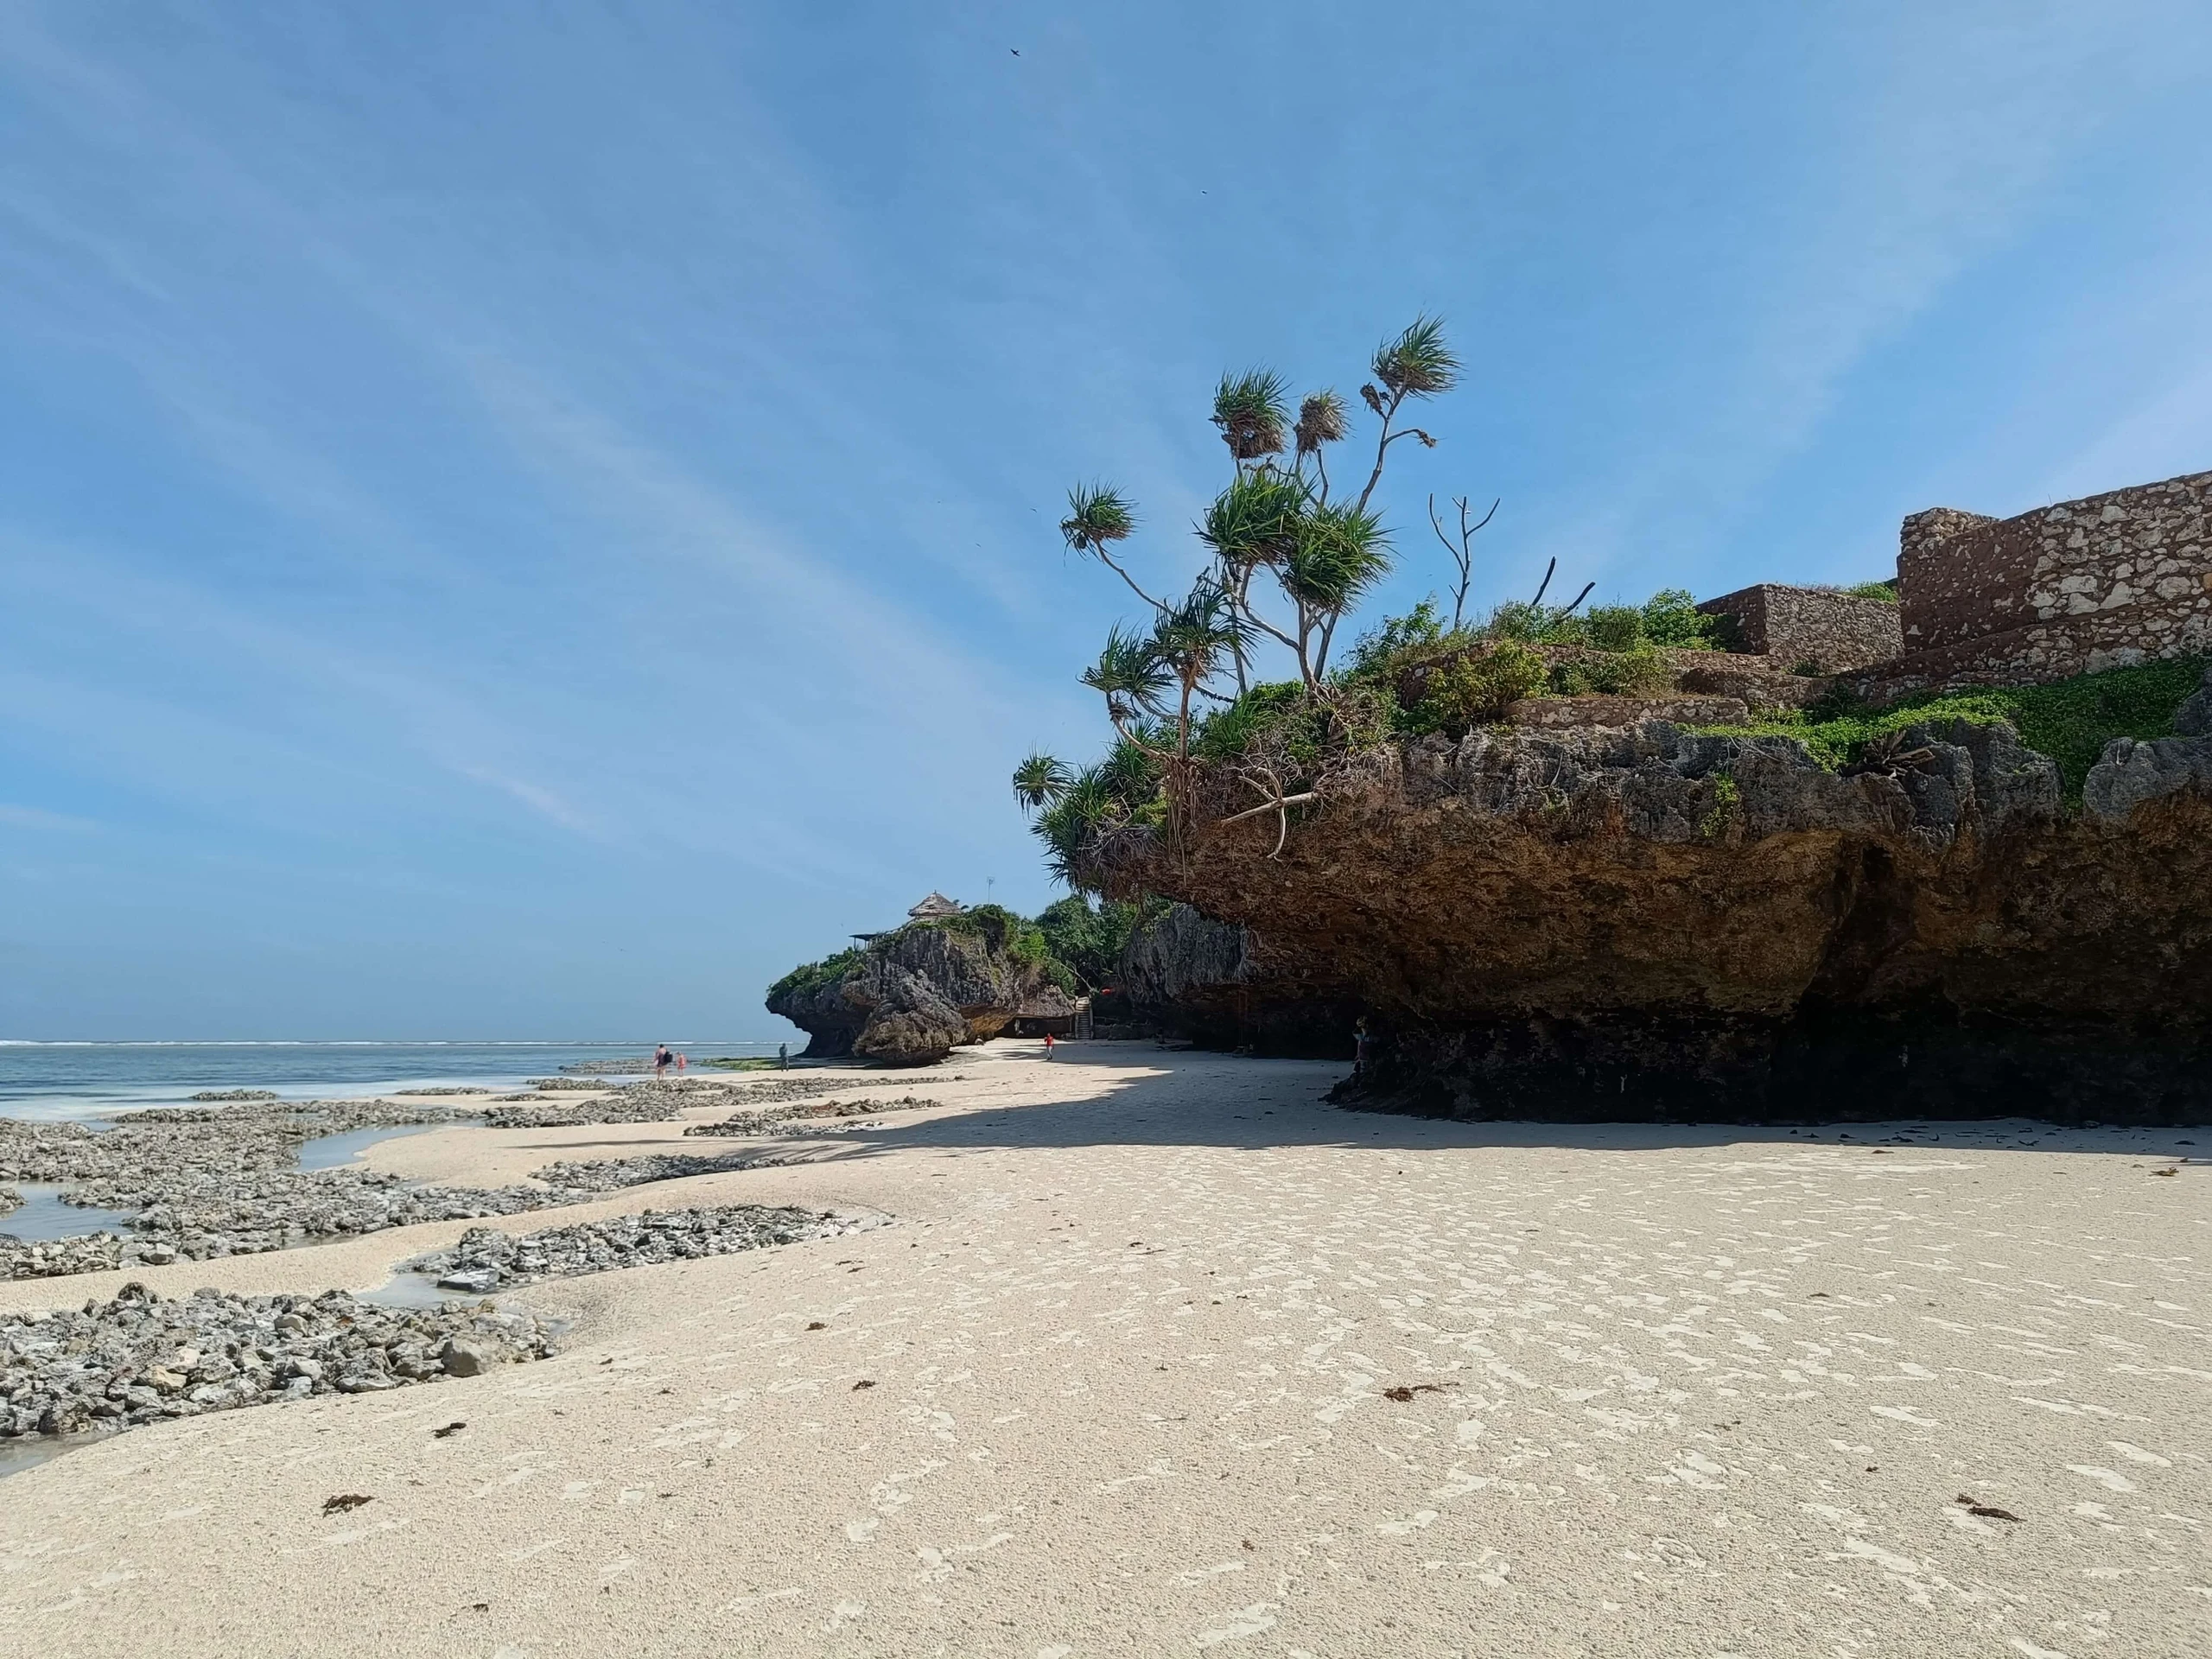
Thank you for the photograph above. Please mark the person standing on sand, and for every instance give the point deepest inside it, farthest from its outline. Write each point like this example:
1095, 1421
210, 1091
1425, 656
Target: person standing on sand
661, 1057
783, 1057
681, 1060
1048, 1045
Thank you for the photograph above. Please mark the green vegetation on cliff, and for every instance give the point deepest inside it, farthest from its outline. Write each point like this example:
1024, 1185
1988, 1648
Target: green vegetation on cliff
1088, 939
810, 976
1411, 676
2070, 720
1077, 944
1204, 741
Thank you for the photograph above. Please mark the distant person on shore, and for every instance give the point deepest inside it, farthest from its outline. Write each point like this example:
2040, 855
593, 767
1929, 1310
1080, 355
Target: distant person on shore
783, 1057
661, 1057
682, 1061
1048, 1045
1359, 1046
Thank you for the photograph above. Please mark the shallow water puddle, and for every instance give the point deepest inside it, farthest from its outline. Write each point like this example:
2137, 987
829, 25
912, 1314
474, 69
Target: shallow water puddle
43, 1216
336, 1151
413, 1290
16, 1456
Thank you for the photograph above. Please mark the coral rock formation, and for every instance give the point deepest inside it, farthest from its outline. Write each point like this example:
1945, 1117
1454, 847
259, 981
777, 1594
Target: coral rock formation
914, 996
1645, 922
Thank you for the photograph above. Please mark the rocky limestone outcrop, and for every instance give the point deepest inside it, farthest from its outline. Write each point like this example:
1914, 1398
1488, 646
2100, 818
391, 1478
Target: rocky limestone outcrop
909, 1021
1180, 953
2193, 717
1642, 922
914, 995
831, 1024
1213, 983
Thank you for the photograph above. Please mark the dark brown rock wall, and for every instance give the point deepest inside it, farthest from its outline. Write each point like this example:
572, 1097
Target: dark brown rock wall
1648, 923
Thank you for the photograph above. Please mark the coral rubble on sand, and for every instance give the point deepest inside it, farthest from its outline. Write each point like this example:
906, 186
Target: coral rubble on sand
142, 1358
487, 1257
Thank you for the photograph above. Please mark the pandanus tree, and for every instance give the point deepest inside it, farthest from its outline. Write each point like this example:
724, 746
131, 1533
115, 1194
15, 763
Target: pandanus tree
1286, 561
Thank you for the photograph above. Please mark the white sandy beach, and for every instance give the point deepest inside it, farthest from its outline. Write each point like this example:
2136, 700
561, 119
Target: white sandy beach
1163, 1355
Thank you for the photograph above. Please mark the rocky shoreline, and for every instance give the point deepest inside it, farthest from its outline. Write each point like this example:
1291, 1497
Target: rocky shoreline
201, 1182
140, 1358
487, 1258
143, 1359
753, 1121
657, 1100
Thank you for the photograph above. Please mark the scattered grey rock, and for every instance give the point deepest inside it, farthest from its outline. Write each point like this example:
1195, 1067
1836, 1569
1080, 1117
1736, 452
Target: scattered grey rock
142, 1358
755, 1123
613, 1174
466, 1356
2193, 717
770, 1094
51, 1258
488, 1255
235, 1094
2130, 772
657, 1100
202, 1182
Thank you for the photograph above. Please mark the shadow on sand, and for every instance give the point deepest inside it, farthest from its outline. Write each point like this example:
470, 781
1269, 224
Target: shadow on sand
1147, 1097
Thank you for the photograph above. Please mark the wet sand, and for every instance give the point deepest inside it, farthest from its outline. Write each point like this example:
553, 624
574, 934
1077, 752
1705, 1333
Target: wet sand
1163, 1354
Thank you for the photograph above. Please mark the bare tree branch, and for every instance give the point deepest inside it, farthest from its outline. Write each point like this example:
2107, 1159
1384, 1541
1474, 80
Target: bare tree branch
1387, 409
1462, 552
1107, 559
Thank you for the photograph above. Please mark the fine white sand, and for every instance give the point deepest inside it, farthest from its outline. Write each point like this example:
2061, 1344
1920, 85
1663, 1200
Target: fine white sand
1119, 1380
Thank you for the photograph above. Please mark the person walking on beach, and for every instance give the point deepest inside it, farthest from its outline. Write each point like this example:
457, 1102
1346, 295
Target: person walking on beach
661, 1057
783, 1057
682, 1061
1359, 1044
1048, 1045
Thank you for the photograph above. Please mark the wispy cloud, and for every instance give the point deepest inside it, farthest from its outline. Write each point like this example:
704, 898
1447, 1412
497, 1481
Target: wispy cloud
34, 817
1945, 149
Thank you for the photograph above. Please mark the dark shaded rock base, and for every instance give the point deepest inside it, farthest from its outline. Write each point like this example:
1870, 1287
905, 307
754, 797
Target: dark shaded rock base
1821, 1065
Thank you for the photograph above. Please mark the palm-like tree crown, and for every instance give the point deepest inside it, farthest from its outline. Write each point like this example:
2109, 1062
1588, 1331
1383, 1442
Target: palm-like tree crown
1417, 363
1250, 411
1320, 420
1341, 552
1040, 780
1254, 520
1097, 516
1192, 637
1129, 675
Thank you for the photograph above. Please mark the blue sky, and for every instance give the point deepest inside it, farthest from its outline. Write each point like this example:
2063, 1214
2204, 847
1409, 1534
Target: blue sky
526, 520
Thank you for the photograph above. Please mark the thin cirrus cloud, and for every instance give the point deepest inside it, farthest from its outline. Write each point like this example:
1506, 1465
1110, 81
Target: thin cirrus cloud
1951, 151
477, 477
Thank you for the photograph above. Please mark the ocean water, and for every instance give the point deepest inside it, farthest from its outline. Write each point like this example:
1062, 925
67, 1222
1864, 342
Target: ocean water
89, 1081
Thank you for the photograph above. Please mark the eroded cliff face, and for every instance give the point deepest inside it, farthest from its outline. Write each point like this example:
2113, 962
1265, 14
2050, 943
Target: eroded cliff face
1217, 984
1635, 923
914, 995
